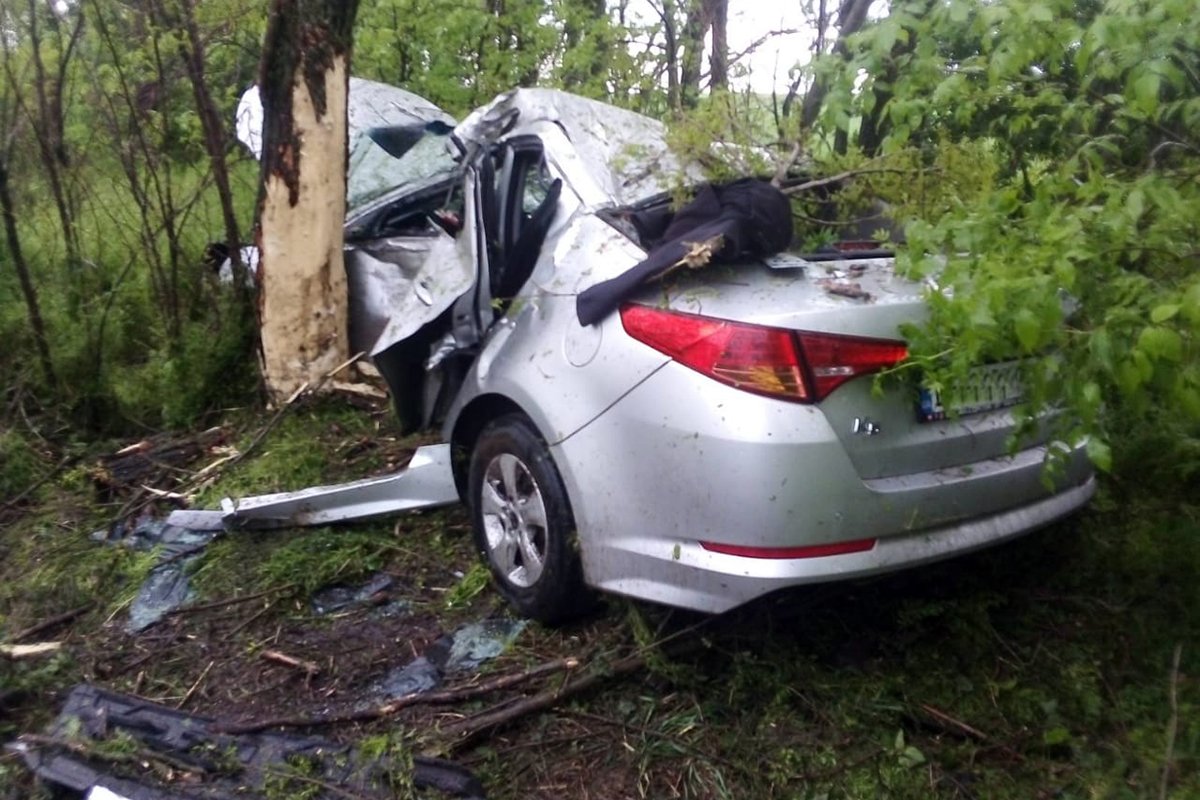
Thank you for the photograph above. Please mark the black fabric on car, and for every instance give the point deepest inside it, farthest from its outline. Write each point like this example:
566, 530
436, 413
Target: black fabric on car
753, 218
519, 260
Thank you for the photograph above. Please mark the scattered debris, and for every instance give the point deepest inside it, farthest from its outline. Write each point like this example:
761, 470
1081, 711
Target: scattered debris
276, 657
446, 697
462, 651
481, 641
845, 288
110, 745
158, 461
375, 593
167, 587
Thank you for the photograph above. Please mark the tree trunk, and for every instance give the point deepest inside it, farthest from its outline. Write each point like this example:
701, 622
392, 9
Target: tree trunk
302, 204
32, 309
695, 27
49, 136
191, 49
671, 47
851, 17
718, 14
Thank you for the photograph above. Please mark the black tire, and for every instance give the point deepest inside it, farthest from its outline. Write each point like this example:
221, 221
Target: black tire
522, 522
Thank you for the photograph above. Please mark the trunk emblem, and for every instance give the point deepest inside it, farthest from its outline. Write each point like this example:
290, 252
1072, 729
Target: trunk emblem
863, 426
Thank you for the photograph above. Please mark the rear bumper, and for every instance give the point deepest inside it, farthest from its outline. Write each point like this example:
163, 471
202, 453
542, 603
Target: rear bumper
653, 477
713, 582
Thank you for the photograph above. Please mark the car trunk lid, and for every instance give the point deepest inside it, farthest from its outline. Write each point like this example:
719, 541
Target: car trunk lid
884, 430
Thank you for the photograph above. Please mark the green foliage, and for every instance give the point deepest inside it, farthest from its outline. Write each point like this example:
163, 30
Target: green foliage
461, 55
139, 332
469, 586
20, 463
1084, 120
722, 135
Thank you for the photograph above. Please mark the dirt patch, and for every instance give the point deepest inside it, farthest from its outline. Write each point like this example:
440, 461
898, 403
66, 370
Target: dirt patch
212, 662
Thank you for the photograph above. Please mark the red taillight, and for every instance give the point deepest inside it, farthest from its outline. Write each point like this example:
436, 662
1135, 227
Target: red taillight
750, 357
811, 551
791, 365
835, 359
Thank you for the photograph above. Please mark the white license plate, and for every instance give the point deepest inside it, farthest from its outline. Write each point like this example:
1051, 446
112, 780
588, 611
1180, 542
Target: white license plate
986, 388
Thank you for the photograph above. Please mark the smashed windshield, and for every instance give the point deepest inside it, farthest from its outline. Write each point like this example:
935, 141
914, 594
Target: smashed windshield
373, 172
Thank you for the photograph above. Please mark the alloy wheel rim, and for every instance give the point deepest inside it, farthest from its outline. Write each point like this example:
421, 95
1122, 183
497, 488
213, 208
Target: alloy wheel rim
514, 520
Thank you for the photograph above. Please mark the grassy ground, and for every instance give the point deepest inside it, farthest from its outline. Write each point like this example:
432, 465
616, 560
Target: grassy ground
1060, 666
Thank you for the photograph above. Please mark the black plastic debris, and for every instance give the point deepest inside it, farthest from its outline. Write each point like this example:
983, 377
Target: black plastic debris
374, 593
166, 587
462, 651
104, 744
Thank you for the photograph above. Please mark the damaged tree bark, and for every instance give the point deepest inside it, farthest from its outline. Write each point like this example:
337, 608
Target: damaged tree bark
304, 82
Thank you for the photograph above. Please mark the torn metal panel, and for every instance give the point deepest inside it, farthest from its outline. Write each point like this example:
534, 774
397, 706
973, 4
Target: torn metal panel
383, 275
427, 482
404, 307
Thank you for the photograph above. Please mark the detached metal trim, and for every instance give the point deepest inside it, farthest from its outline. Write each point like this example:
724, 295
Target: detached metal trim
427, 482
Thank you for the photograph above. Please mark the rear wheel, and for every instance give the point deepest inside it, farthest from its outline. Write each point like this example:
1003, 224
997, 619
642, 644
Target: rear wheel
522, 522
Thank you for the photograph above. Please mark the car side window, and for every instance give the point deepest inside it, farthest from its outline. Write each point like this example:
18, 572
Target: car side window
531, 201
536, 186
424, 216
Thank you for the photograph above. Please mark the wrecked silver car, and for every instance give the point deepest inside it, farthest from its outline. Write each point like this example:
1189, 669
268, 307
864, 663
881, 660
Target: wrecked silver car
681, 413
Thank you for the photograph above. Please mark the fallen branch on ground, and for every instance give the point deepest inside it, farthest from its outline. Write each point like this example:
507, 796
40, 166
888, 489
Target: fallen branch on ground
195, 686
230, 601
463, 732
276, 657
956, 725
388, 709
42, 627
16, 652
212, 471
33, 487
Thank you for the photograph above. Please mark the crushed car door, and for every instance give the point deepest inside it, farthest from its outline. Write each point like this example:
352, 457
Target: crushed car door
386, 253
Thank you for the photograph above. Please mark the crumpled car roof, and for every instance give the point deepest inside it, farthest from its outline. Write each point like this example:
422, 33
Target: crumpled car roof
624, 154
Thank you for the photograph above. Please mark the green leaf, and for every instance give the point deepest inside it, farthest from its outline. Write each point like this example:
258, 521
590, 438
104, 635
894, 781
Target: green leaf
1191, 304
1161, 343
1162, 313
1100, 454
911, 757
1100, 346
1143, 91
1055, 736
1135, 204
1039, 12
1028, 329
1189, 401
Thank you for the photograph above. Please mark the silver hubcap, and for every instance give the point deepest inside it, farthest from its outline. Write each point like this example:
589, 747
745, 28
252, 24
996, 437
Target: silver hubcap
514, 520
